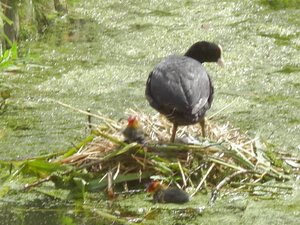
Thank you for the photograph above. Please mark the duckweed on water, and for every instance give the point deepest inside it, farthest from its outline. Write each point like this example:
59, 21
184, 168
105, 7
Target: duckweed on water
105, 67
234, 162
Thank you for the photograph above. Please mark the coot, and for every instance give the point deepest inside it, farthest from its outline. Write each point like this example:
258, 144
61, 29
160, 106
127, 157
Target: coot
180, 88
133, 132
161, 194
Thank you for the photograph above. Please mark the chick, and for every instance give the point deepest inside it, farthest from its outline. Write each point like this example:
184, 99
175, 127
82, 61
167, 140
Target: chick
133, 132
161, 194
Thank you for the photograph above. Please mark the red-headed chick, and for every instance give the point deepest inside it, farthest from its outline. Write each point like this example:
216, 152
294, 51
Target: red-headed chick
161, 194
133, 132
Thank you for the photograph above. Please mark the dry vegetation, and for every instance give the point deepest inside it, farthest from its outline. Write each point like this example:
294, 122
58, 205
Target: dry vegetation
225, 159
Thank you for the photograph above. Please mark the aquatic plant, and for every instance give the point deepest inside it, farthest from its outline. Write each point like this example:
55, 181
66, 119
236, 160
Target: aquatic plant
226, 162
280, 4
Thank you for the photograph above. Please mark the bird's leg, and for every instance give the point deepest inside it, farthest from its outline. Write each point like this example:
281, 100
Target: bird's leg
175, 125
202, 124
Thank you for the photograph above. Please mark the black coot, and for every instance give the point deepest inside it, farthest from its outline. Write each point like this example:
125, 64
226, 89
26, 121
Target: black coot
180, 88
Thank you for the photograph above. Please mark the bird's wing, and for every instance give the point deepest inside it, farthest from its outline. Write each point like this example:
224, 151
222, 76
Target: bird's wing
179, 83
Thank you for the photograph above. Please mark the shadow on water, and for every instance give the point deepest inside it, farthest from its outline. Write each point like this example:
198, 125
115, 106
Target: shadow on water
49, 211
39, 211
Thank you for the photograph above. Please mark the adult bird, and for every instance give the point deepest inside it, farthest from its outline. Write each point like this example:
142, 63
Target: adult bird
180, 88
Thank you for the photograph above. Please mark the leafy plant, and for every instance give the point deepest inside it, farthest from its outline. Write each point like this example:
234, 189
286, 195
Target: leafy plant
7, 20
9, 57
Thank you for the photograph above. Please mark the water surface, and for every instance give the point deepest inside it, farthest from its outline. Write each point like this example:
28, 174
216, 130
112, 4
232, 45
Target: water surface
102, 62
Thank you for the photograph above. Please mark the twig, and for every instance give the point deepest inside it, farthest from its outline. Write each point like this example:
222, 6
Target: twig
225, 107
82, 111
224, 181
109, 179
182, 173
225, 164
46, 179
262, 185
203, 179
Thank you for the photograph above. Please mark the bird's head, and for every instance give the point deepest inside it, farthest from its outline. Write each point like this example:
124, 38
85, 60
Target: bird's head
204, 51
132, 121
154, 186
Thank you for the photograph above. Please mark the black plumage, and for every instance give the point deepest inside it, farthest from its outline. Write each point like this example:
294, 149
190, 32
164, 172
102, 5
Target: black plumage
133, 132
180, 88
161, 194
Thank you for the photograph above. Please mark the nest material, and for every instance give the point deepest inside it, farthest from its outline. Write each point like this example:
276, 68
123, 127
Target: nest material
157, 130
225, 154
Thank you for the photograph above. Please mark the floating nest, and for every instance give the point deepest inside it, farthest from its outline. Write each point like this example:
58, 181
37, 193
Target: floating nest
226, 158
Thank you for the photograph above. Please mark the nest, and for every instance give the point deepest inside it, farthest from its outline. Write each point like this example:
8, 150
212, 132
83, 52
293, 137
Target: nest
224, 157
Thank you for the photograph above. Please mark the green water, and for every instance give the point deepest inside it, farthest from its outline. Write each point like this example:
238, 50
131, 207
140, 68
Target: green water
106, 61
105, 64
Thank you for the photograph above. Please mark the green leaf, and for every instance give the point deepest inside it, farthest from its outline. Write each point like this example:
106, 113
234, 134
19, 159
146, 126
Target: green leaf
121, 151
14, 51
75, 149
81, 183
6, 19
94, 184
41, 166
